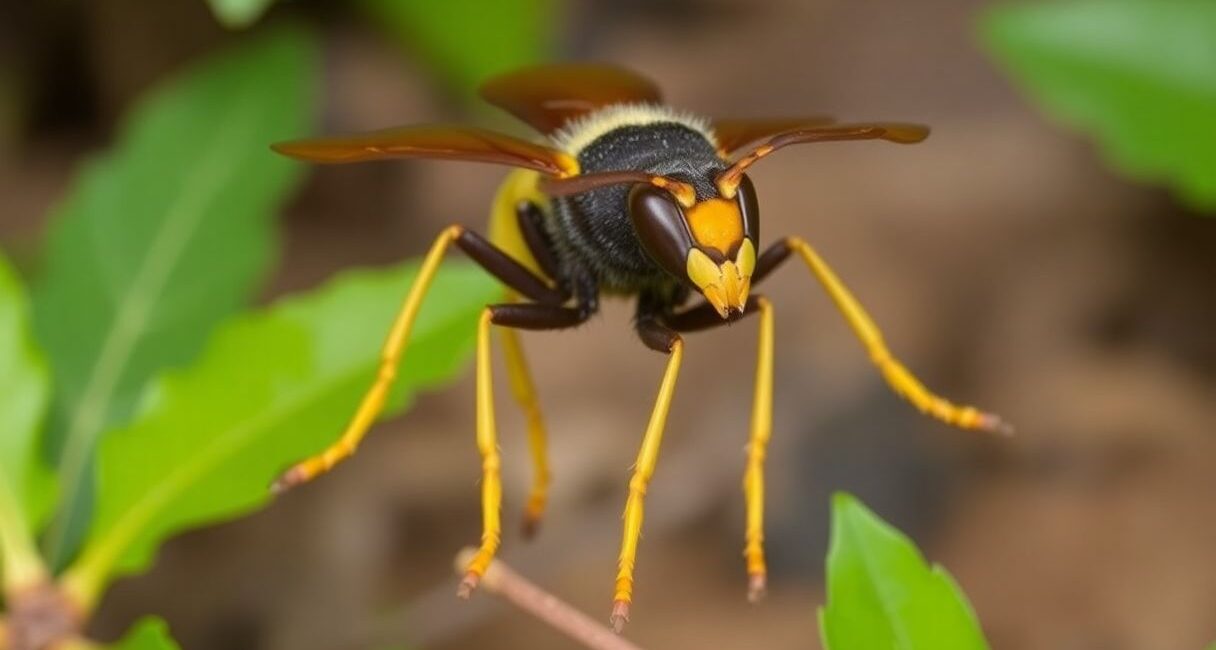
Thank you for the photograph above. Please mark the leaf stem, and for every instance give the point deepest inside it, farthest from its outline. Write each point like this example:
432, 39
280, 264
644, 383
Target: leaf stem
20, 564
503, 581
82, 585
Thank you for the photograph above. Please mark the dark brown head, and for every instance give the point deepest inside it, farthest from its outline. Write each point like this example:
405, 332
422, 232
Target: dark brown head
710, 244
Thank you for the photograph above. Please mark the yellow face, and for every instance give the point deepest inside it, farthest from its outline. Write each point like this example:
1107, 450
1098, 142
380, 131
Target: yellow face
718, 224
724, 285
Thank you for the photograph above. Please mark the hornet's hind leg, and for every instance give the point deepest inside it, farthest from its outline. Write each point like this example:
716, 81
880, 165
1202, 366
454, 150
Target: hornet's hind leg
525, 316
524, 392
530, 220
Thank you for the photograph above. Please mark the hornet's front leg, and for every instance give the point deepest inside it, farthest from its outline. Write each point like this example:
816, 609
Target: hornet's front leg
660, 338
903, 382
704, 316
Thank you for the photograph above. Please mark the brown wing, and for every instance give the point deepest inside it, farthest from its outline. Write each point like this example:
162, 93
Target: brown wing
546, 96
443, 141
900, 132
732, 135
728, 180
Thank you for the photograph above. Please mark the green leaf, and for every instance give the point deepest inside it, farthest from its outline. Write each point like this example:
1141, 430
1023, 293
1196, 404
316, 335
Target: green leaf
469, 40
27, 485
162, 238
238, 14
271, 388
149, 633
882, 595
1138, 75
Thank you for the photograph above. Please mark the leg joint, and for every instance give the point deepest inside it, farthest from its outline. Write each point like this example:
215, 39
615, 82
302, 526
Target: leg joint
491, 464
531, 316
638, 484
388, 370
658, 337
505, 268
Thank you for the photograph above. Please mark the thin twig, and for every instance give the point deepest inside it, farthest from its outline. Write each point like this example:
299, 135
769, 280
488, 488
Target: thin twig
706, 471
501, 580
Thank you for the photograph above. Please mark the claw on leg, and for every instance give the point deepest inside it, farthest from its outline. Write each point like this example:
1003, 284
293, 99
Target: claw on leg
533, 514
993, 423
620, 615
297, 475
757, 587
468, 585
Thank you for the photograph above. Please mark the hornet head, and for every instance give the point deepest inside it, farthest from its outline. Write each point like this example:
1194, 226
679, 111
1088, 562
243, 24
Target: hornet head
709, 244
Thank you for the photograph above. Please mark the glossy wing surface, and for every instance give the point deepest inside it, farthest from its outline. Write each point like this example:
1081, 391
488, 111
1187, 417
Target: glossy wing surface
452, 142
891, 131
545, 97
730, 178
733, 134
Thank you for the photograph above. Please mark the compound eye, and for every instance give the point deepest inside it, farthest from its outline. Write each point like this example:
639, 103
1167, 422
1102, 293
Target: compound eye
661, 228
746, 196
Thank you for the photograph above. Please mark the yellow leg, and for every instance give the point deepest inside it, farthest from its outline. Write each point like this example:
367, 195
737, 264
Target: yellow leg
491, 479
643, 469
753, 477
390, 359
525, 395
897, 376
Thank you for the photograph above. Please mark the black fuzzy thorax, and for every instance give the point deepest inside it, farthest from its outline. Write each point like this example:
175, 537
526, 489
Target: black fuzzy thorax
592, 231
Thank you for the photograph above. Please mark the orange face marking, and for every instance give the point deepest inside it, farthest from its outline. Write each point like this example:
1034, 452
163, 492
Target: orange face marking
716, 223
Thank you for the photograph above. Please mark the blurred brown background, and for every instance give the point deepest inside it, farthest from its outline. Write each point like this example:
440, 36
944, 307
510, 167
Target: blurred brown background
1008, 267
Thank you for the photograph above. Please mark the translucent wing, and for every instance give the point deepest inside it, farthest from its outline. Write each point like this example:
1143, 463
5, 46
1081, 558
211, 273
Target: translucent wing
545, 97
732, 135
442, 141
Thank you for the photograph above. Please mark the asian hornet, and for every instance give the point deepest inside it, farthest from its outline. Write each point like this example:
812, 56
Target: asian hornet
623, 195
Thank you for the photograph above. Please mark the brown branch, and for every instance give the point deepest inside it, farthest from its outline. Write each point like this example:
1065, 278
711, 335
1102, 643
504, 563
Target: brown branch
39, 616
706, 472
503, 581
